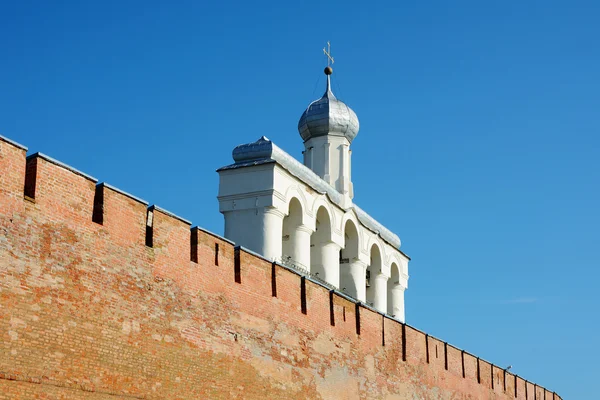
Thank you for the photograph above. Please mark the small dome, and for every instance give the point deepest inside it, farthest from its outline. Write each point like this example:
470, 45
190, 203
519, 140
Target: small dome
328, 116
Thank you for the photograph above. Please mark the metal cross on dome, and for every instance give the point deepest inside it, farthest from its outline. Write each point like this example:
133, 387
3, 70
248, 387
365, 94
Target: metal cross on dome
328, 53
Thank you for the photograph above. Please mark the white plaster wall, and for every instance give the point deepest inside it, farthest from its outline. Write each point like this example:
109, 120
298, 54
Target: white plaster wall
244, 181
328, 157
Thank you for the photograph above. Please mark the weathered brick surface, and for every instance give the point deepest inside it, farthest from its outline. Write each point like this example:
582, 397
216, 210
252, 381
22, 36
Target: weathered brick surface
520, 388
485, 373
455, 363
470, 367
530, 389
12, 178
38, 389
87, 310
539, 393
510, 383
436, 353
416, 347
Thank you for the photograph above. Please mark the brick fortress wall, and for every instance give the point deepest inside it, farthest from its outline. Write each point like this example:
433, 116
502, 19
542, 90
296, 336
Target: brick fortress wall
103, 297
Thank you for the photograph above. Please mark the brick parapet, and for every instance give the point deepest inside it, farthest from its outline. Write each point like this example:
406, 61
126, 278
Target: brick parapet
89, 304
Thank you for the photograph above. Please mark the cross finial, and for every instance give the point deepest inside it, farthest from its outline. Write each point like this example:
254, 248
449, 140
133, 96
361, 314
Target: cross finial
328, 53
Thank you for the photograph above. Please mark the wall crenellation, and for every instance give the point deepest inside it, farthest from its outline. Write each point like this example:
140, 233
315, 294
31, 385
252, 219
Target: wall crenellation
191, 292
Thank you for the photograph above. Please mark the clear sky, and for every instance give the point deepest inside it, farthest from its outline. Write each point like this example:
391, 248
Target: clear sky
479, 143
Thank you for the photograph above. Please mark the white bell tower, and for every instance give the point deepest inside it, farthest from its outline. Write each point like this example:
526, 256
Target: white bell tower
302, 214
328, 127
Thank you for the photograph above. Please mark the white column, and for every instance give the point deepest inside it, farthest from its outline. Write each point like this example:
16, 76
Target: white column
379, 285
271, 232
357, 275
308, 157
396, 303
350, 185
326, 157
343, 174
349, 164
330, 263
301, 247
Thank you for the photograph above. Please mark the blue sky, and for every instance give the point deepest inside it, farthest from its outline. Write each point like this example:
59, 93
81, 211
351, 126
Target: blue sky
479, 143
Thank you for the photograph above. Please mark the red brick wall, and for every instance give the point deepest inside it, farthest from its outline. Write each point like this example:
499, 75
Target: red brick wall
87, 310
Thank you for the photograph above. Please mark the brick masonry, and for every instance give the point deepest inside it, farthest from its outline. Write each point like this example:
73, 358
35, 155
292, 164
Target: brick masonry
88, 310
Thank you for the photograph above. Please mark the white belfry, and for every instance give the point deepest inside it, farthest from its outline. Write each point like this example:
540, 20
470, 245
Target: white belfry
302, 215
328, 127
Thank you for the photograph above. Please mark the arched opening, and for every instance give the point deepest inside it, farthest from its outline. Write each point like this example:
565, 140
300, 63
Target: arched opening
395, 294
295, 238
351, 269
372, 275
323, 252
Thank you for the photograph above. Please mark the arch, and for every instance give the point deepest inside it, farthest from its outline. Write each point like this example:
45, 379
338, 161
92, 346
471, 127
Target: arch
351, 217
394, 274
395, 258
351, 268
351, 241
321, 202
395, 303
373, 272
323, 252
375, 241
295, 247
295, 208
294, 192
392, 282
323, 225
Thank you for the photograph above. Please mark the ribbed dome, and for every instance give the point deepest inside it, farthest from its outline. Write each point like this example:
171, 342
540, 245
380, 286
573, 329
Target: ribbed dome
328, 116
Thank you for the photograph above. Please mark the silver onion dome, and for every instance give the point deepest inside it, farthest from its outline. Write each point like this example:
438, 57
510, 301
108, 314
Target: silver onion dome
328, 116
